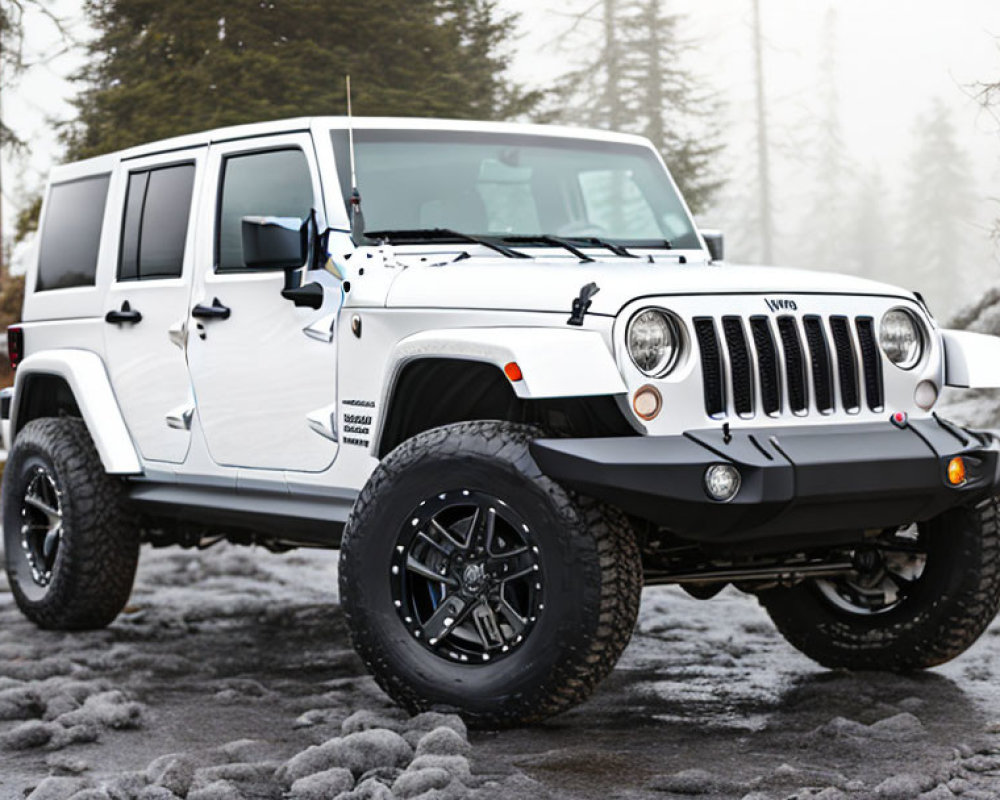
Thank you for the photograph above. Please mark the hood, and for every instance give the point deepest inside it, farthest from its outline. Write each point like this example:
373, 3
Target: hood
551, 284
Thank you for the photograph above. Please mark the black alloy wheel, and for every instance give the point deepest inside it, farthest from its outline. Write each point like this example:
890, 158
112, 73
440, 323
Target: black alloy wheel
466, 576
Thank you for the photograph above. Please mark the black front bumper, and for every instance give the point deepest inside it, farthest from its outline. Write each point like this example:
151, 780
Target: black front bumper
795, 480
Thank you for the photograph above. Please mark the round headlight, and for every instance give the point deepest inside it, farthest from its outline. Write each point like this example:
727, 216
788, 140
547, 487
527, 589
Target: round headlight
901, 338
653, 340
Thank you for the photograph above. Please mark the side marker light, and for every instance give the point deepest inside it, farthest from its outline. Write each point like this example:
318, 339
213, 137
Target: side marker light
956, 471
513, 372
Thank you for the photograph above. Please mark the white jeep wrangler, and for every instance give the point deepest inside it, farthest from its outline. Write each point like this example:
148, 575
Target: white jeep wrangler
513, 390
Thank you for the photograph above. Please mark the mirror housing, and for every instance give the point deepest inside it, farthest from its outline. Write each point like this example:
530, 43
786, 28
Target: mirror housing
715, 244
275, 243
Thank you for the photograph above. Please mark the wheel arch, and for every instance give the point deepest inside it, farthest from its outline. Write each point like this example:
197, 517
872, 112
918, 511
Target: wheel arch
434, 390
75, 383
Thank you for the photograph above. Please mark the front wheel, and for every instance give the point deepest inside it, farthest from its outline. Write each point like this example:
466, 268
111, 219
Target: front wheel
916, 600
473, 583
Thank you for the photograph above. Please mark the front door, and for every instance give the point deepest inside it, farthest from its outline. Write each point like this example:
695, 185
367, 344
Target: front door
265, 368
148, 302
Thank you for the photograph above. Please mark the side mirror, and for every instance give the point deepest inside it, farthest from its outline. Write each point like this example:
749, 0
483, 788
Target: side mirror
714, 242
275, 243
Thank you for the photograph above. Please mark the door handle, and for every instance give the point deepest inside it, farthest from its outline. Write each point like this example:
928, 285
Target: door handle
126, 315
214, 311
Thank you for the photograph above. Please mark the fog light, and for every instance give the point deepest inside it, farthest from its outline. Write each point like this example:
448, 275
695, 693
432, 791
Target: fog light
647, 402
956, 471
722, 482
925, 395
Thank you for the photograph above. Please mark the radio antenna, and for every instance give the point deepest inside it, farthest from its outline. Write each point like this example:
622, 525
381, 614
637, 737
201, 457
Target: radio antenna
357, 218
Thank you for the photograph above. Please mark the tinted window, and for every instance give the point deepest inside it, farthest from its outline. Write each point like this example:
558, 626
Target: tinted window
154, 230
71, 235
272, 184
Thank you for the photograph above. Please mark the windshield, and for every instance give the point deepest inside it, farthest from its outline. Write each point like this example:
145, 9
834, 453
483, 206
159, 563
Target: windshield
511, 185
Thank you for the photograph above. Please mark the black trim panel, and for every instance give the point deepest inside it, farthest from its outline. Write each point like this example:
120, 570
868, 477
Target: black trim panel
303, 519
795, 480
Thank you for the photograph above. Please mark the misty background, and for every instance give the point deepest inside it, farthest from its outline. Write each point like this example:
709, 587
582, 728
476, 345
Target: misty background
882, 156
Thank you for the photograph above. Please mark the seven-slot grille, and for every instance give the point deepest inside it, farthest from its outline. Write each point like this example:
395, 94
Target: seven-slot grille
797, 364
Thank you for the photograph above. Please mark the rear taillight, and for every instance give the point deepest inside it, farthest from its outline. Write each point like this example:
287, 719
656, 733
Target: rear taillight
15, 345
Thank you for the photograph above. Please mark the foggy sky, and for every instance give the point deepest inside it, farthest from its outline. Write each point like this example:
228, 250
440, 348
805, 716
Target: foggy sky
892, 59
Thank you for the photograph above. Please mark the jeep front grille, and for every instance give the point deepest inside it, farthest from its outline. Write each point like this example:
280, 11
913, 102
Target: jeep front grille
764, 366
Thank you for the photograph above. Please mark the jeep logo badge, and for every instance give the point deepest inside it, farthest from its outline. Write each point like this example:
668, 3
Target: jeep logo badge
781, 305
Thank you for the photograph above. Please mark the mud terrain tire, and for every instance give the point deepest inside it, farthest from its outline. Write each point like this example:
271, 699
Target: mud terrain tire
588, 560
946, 611
97, 552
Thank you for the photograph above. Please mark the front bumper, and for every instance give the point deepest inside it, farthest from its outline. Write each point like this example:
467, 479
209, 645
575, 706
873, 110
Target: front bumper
795, 480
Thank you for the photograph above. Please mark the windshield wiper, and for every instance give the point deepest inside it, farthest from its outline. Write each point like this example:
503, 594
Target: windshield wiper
544, 238
446, 235
597, 241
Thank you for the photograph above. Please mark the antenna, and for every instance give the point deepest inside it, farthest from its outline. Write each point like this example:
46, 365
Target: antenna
357, 218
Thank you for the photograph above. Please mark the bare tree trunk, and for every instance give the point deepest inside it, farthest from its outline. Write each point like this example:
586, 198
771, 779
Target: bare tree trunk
613, 85
763, 156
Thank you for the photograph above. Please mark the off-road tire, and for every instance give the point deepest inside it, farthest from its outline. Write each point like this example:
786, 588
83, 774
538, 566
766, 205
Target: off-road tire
593, 580
948, 609
97, 556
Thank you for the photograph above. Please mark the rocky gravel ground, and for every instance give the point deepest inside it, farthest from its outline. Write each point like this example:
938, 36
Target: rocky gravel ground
230, 676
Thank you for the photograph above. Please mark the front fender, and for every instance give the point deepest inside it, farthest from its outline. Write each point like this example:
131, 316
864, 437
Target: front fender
87, 378
553, 362
972, 360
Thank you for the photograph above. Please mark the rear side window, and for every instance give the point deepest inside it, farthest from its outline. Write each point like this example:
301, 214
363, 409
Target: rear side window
275, 183
154, 228
71, 235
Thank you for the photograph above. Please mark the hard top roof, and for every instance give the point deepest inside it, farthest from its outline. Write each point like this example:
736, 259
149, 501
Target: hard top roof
104, 162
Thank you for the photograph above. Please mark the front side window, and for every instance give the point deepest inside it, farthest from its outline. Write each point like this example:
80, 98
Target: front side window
275, 183
154, 228
515, 185
71, 234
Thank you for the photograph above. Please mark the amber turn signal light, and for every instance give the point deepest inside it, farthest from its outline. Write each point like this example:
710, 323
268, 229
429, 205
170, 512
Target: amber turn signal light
956, 471
647, 402
513, 372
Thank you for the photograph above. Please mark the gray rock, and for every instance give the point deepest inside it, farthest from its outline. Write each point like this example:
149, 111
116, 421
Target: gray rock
29, 735
443, 741
415, 782
429, 720
91, 794
126, 786
939, 792
58, 788
366, 720
247, 750
358, 752
174, 771
322, 785
903, 787
458, 766
155, 793
108, 709
237, 773
386, 775
220, 790
20, 703
368, 790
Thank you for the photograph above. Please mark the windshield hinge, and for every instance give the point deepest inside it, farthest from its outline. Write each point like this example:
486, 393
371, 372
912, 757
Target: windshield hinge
582, 303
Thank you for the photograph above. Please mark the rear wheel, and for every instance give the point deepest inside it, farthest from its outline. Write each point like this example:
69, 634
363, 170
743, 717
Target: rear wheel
473, 583
71, 547
918, 599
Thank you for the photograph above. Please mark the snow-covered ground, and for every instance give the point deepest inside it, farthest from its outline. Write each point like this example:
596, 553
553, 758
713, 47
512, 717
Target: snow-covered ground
230, 664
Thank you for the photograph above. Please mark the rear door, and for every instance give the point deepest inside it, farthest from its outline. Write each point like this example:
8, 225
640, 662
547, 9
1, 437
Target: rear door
147, 304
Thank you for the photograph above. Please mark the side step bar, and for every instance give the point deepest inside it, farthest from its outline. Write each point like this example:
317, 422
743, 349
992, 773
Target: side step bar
274, 515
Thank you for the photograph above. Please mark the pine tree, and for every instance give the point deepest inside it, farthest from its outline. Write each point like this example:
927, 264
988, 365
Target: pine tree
634, 80
826, 224
160, 68
937, 209
869, 250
